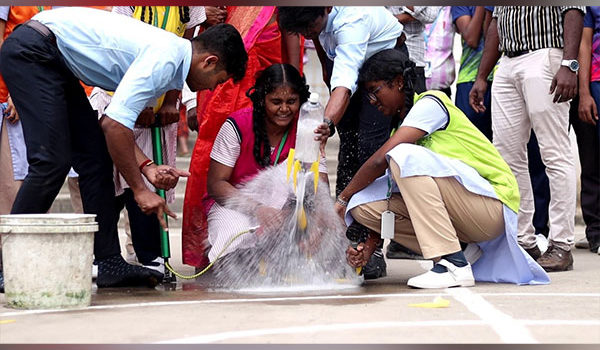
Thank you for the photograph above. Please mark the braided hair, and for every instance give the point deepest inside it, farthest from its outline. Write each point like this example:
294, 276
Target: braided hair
269, 80
387, 65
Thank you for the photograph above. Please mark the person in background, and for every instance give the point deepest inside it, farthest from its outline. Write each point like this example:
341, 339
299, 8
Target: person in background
414, 19
439, 59
587, 127
535, 80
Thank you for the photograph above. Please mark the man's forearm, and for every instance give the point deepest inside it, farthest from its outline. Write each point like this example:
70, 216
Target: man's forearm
490, 51
121, 145
585, 61
573, 25
338, 102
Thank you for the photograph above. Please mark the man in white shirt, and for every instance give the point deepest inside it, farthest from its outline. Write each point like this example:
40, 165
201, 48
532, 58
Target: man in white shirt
42, 63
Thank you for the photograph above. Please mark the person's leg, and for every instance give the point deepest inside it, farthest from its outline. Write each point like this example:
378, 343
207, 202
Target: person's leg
32, 69
482, 121
550, 122
540, 186
589, 153
145, 230
75, 194
511, 128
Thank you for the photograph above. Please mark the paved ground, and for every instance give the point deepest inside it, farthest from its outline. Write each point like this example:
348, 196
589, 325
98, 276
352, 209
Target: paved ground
380, 311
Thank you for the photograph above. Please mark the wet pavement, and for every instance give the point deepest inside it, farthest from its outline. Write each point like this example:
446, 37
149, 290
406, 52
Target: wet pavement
379, 311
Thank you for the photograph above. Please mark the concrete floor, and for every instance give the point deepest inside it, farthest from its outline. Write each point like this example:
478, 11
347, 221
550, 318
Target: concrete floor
379, 311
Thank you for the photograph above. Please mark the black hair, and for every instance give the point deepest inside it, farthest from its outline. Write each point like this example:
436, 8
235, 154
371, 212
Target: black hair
268, 80
224, 41
294, 19
184, 14
387, 65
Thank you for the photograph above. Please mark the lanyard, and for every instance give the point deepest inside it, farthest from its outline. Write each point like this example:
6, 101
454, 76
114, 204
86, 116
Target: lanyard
281, 143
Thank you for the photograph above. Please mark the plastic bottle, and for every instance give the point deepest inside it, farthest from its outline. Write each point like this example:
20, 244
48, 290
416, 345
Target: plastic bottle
311, 116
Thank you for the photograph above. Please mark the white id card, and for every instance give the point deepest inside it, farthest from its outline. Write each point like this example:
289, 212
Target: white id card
387, 225
428, 69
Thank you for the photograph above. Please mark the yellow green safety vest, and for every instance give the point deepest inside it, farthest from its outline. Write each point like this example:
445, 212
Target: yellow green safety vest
463, 141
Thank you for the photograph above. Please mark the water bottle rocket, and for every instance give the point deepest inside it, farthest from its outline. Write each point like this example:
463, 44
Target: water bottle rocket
304, 157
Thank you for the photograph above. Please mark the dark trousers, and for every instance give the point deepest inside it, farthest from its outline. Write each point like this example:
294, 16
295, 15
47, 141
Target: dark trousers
145, 229
61, 130
482, 121
588, 137
540, 185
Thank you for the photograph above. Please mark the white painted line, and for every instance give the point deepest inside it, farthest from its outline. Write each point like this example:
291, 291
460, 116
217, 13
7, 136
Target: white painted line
509, 329
250, 333
284, 299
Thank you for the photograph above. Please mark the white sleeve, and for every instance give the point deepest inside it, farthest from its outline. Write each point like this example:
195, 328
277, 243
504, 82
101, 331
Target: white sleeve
4, 12
197, 16
227, 146
428, 114
188, 98
123, 10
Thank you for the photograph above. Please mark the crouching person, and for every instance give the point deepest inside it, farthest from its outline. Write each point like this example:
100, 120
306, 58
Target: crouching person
444, 182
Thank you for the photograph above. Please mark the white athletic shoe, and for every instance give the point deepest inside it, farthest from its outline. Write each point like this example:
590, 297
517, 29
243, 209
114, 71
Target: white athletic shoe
157, 264
454, 277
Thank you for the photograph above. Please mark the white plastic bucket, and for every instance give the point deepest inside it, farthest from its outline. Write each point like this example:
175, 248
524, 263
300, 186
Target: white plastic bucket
47, 260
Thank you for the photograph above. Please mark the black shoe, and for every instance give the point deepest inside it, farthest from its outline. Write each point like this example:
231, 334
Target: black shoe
396, 250
534, 252
375, 267
1, 282
114, 271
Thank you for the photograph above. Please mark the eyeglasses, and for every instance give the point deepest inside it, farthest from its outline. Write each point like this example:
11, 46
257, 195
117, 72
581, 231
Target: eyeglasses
372, 95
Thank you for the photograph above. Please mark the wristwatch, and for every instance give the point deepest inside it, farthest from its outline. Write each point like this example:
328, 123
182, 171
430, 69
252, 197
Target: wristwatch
573, 65
331, 126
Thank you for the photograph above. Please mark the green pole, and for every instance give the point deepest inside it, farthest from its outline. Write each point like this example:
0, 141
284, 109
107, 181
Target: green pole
158, 160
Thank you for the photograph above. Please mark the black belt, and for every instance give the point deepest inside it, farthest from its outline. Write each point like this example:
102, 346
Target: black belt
42, 29
513, 54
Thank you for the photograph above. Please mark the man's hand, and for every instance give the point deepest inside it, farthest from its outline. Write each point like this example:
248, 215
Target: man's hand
477, 94
357, 257
564, 85
146, 119
588, 111
164, 177
11, 112
192, 119
214, 15
168, 114
151, 203
340, 210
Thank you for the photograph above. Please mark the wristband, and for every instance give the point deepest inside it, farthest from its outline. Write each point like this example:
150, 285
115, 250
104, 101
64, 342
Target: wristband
145, 164
329, 123
341, 202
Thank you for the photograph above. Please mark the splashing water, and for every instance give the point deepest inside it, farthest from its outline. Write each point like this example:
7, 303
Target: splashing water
283, 257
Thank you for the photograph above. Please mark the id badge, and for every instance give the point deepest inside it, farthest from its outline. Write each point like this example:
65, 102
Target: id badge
387, 225
428, 69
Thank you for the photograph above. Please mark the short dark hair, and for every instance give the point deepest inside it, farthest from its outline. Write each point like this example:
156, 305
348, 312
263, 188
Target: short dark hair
224, 41
294, 19
267, 81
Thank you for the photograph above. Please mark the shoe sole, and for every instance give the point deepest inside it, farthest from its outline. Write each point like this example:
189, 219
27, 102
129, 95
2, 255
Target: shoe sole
463, 284
550, 269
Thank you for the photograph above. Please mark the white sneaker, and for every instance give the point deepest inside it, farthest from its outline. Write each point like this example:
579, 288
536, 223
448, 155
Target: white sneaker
472, 252
94, 271
157, 264
454, 277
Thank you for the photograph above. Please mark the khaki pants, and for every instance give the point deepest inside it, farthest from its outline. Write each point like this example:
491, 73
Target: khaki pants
433, 214
521, 102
